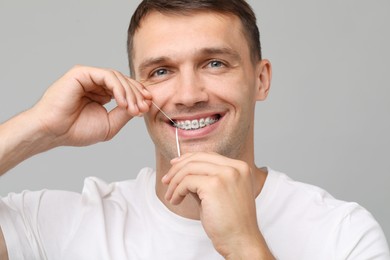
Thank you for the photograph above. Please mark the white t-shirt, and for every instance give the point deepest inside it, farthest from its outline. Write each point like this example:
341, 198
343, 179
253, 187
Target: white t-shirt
126, 220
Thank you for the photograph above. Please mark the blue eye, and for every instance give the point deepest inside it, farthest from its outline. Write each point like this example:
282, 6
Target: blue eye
160, 72
215, 64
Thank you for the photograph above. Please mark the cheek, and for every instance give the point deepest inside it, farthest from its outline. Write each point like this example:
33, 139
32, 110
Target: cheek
161, 92
235, 90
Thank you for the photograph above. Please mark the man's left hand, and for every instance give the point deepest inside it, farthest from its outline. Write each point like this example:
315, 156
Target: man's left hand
224, 190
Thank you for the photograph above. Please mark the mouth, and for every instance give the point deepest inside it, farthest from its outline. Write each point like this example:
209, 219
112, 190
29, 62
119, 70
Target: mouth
196, 123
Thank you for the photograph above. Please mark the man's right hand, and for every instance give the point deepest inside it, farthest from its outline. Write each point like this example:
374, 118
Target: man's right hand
72, 111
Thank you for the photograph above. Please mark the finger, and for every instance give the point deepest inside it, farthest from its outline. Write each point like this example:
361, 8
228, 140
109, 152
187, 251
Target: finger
145, 92
95, 80
130, 95
183, 156
101, 99
192, 168
134, 95
177, 164
190, 185
203, 156
118, 117
142, 95
215, 158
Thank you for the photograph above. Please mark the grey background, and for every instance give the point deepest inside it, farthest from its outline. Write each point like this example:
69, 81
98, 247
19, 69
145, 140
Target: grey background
326, 120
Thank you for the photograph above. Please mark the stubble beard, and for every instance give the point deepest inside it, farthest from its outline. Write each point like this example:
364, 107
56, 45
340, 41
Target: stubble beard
230, 144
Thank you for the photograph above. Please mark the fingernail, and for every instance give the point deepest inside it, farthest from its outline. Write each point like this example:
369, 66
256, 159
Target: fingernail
145, 91
145, 103
124, 102
164, 178
136, 109
174, 160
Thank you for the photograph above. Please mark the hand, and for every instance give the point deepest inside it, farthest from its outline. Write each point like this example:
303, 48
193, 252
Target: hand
224, 190
72, 110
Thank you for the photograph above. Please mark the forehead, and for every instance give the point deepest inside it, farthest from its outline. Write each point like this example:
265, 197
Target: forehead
176, 34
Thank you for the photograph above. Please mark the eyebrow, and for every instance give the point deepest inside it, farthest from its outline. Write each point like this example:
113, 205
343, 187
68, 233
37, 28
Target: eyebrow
154, 61
221, 51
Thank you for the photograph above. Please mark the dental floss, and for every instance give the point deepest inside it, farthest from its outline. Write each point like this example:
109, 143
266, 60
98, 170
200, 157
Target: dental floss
164, 114
177, 135
177, 142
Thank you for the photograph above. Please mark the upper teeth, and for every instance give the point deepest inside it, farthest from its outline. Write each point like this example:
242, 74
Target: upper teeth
195, 124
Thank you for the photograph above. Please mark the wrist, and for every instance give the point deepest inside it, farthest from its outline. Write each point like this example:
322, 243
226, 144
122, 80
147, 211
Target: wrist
255, 254
253, 248
20, 138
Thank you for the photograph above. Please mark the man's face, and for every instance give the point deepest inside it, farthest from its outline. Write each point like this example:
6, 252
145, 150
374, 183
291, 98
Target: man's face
199, 71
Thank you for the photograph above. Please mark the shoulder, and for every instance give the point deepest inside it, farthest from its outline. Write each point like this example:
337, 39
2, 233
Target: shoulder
279, 187
121, 193
52, 219
306, 200
53, 204
309, 215
97, 187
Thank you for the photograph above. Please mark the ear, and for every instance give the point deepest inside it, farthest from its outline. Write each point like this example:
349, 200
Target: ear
264, 75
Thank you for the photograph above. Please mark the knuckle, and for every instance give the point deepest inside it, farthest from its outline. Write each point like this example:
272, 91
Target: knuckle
245, 169
77, 68
232, 173
215, 183
116, 73
78, 71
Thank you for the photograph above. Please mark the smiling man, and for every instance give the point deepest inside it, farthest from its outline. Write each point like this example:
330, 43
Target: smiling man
200, 61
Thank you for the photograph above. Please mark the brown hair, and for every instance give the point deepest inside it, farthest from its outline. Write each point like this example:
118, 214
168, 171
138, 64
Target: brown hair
239, 8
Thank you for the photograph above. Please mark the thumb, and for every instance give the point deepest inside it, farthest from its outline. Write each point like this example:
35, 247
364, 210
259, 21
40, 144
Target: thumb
117, 118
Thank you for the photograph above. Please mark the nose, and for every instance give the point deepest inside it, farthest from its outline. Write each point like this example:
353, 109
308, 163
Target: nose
190, 89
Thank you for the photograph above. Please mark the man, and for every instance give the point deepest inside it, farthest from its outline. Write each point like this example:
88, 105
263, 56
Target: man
200, 61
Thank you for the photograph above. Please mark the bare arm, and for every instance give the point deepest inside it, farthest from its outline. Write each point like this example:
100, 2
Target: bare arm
71, 113
20, 138
3, 248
